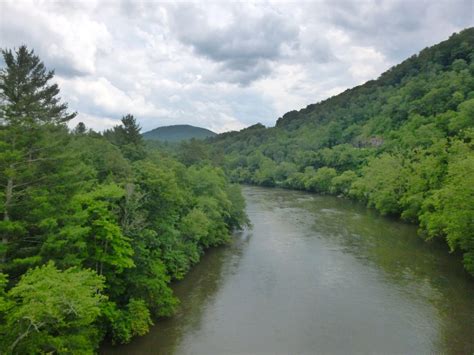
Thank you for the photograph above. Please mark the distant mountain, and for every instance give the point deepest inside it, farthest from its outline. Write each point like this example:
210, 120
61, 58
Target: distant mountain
177, 133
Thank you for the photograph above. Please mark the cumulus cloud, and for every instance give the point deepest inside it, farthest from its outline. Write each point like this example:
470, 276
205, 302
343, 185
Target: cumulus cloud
242, 38
97, 122
68, 42
101, 96
222, 66
399, 28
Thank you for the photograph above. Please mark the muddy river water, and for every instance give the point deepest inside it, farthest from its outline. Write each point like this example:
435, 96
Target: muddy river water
318, 275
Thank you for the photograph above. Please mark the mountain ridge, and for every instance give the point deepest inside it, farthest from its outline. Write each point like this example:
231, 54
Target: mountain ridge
402, 144
177, 133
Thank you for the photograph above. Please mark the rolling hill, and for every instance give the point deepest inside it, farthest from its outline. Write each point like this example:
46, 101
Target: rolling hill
402, 143
177, 133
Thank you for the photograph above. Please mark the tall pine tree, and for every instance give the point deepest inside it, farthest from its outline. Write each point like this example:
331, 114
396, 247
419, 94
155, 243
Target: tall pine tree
128, 138
32, 133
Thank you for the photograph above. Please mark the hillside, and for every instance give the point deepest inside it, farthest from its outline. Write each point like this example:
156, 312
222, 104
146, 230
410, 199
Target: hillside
403, 144
176, 133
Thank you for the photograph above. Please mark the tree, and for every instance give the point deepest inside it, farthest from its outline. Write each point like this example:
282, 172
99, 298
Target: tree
127, 137
465, 117
321, 180
395, 143
148, 280
75, 200
25, 93
47, 317
193, 151
5, 303
131, 130
80, 129
382, 183
342, 183
31, 132
265, 175
449, 212
91, 236
131, 321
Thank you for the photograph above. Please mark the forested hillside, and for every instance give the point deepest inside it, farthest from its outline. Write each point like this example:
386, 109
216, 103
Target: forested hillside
94, 226
403, 144
177, 133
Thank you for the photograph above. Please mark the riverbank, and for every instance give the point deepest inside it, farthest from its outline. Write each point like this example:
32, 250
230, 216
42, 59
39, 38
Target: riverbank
318, 274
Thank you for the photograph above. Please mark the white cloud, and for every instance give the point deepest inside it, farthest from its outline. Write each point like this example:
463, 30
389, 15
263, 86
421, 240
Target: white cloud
98, 122
218, 65
67, 41
101, 95
367, 63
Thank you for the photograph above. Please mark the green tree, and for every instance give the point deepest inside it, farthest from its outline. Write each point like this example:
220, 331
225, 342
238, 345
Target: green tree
449, 212
106, 202
53, 312
465, 117
31, 135
128, 138
265, 174
133, 320
382, 183
80, 129
392, 141
193, 151
148, 280
342, 183
320, 181
91, 236
27, 97
131, 131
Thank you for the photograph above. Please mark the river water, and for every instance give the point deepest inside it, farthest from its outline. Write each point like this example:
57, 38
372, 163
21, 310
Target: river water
318, 275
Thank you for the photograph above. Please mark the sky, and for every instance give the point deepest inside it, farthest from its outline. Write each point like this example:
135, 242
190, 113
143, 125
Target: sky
219, 65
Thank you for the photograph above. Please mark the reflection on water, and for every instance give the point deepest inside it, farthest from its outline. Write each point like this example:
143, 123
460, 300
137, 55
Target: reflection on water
318, 274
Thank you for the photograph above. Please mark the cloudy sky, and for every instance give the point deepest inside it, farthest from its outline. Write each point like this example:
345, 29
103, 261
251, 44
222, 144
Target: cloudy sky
219, 65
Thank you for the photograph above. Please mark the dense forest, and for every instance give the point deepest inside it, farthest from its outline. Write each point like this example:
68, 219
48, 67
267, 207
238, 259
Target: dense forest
94, 226
403, 144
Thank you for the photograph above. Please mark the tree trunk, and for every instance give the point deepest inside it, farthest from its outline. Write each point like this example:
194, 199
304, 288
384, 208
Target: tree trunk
20, 337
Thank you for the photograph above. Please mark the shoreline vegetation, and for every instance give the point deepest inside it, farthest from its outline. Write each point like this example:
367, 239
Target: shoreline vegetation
95, 226
402, 144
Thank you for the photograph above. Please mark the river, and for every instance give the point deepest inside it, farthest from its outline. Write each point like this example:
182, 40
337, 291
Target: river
318, 275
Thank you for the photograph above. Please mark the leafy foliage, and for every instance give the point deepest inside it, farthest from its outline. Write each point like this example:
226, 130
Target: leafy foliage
95, 226
401, 143
52, 311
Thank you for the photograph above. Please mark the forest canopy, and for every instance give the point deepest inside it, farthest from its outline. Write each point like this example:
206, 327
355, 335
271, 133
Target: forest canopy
94, 226
403, 144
